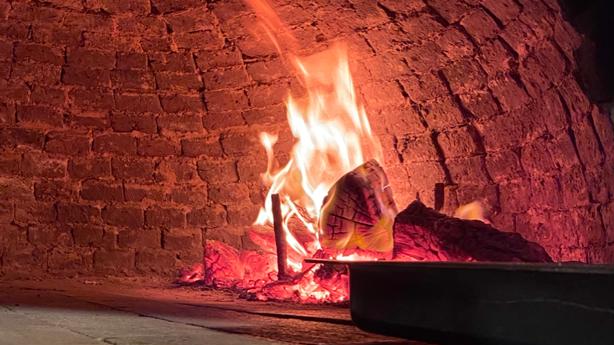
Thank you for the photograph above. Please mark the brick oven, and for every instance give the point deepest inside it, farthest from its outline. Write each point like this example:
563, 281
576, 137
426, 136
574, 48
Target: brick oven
129, 130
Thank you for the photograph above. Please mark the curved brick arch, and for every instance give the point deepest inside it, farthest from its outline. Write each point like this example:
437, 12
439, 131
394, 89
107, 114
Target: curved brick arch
129, 129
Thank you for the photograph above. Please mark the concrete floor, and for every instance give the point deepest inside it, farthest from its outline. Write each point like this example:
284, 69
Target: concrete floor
89, 312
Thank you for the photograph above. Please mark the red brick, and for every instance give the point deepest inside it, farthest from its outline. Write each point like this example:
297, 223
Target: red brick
38, 53
143, 192
174, 62
27, 137
481, 105
211, 216
455, 44
76, 213
140, 238
90, 119
183, 240
233, 77
14, 91
10, 163
164, 6
201, 146
519, 36
68, 143
97, 190
131, 217
80, 168
56, 35
467, 170
13, 29
36, 73
88, 58
139, 169
158, 261
442, 113
142, 103
510, 95
193, 196
53, 191
35, 164
86, 99
43, 235
7, 114
220, 58
114, 261
39, 115
242, 215
216, 172
264, 71
157, 147
503, 165
265, 95
421, 27
464, 75
62, 260
132, 80
87, 235
495, 57
200, 40
35, 212
229, 193
480, 26
504, 10
181, 123
6, 50
177, 171
148, 27
417, 149
135, 7
86, 77
131, 122
191, 20
178, 81
240, 143
6, 212
165, 217
223, 120
49, 96
269, 115
429, 86
131, 60
182, 103
115, 143
250, 168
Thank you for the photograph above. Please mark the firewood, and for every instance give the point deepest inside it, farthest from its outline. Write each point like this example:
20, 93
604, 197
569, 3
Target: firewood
280, 238
421, 233
359, 211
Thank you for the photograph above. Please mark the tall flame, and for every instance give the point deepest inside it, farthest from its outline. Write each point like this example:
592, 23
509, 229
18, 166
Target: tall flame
332, 137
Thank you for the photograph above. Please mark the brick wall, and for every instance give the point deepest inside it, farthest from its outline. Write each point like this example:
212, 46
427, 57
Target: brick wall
128, 129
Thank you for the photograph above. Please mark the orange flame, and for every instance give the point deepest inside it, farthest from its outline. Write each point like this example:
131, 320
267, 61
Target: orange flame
333, 136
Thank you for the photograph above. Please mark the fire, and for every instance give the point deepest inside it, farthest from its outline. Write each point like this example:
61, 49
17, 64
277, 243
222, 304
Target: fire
333, 136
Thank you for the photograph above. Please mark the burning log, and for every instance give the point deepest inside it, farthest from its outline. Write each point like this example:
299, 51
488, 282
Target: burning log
421, 233
280, 240
359, 211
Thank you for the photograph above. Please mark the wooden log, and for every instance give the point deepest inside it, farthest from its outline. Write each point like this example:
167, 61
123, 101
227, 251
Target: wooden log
280, 238
421, 233
359, 211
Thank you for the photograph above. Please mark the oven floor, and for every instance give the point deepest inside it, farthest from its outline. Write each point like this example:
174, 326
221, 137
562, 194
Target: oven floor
84, 312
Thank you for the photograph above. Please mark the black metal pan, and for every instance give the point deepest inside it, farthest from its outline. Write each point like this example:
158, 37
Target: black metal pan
484, 303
